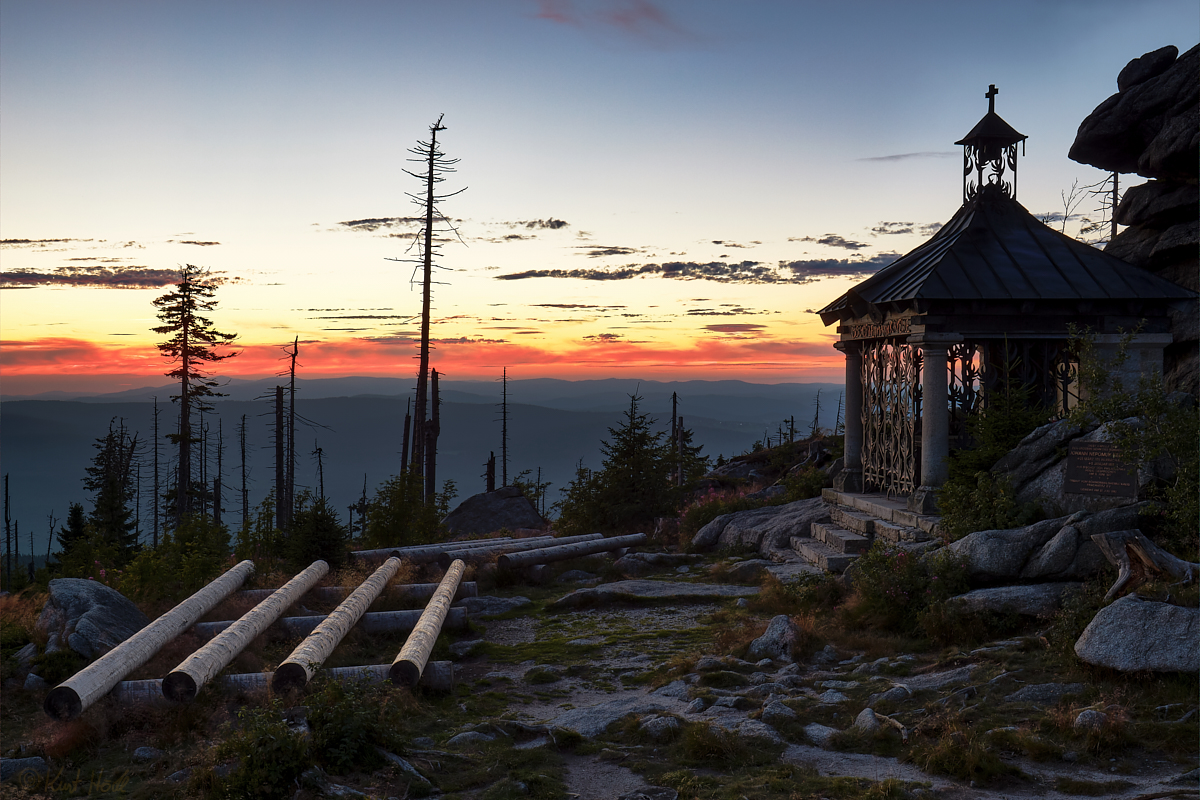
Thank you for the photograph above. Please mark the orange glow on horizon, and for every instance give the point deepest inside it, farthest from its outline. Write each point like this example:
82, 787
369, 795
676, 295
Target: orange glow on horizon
28, 366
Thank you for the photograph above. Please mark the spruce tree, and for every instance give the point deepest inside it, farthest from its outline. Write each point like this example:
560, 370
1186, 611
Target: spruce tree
110, 478
193, 345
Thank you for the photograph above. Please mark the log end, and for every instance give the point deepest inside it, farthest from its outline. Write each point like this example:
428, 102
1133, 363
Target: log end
290, 675
405, 673
179, 687
502, 561
63, 703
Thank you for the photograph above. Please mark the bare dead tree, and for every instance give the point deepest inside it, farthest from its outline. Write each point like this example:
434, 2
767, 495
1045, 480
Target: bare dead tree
7, 536
404, 441
504, 427
436, 167
319, 455
157, 499
291, 463
432, 430
280, 472
245, 493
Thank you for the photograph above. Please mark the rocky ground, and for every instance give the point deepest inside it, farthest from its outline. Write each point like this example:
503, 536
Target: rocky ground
694, 679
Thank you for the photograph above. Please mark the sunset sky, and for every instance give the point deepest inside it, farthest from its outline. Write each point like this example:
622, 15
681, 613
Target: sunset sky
654, 189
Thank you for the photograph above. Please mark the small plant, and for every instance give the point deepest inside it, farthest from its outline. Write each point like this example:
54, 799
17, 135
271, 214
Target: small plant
987, 504
269, 756
896, 588
804, 484
711, 505
961, 754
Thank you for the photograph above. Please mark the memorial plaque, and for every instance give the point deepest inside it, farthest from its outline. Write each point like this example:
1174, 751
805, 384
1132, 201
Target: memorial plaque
1097, 468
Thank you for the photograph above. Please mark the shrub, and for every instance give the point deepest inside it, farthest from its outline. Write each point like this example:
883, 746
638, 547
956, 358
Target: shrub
895, 588
183, 562
970, 500
269, 756
804, 484
711, 505
987, 504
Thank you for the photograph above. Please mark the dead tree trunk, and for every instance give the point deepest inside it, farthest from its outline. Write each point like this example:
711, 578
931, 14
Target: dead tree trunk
280, 474
433, 429
404, 441
1138, 559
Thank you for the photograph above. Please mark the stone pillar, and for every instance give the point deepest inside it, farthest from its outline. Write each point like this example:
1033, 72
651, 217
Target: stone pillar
935, 418
850, 478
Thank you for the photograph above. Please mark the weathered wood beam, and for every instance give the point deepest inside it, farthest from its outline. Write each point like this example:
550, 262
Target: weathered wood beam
483, 554
564, 552
299, 667
403, 591
438, 676
69, 699
427, 553
410, 663
182, 684
371, 622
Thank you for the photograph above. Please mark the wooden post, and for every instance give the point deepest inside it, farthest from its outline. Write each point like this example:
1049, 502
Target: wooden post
69, 699
298, 668
410, 663
189, 677
567, 551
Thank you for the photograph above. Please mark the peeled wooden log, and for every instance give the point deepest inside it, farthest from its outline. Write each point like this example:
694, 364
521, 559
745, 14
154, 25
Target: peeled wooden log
371, 622
438, 676
563, 552
483, 554
1138, 559
299, 667
410, 663
427, 553
71, 697
403, 591
189, 677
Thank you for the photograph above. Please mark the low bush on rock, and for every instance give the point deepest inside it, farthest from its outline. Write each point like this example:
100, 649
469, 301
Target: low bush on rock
896, 588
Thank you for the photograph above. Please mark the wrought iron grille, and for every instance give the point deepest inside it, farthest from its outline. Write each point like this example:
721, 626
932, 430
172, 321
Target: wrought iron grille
1044, 365
890, 412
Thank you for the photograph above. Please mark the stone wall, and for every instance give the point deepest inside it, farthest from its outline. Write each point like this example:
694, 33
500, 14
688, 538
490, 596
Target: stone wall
1151, 127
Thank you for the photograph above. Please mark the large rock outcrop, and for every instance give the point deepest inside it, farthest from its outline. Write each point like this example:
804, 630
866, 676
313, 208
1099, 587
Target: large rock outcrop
88, 617
1036, 468
1051, 550
1151, 127
1135, 635
490, 511
764, 529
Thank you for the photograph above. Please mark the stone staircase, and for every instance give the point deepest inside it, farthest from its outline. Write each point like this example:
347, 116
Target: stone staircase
856, 521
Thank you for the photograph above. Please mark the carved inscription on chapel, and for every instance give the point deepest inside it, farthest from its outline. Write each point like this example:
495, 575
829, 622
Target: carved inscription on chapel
1097, 468
898, 326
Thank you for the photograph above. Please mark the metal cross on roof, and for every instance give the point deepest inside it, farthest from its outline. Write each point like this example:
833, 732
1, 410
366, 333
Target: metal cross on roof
991, 96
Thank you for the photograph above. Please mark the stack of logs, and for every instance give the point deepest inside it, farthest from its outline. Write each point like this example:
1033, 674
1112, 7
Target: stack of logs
322, 634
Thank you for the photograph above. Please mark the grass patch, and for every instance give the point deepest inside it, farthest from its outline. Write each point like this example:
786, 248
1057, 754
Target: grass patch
1089, 788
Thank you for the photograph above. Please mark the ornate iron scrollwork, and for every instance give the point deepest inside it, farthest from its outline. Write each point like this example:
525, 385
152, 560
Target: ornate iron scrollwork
890, 411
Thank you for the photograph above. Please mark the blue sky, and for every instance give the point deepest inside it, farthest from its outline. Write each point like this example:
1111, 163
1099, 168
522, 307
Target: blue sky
138, 136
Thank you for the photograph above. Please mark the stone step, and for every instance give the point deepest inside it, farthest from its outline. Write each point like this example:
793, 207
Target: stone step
840, 539
900, 533
888, 509
856, 521
821, 555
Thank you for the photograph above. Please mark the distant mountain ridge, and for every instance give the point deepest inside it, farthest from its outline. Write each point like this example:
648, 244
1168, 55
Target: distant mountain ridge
555, 425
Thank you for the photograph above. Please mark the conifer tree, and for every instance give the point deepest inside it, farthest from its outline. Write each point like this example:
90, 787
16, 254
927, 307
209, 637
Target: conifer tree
194, 344
111, 480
